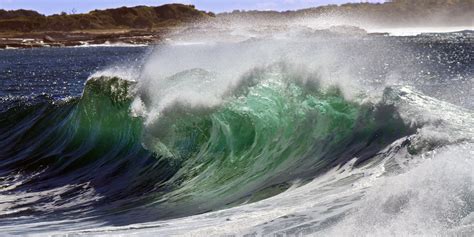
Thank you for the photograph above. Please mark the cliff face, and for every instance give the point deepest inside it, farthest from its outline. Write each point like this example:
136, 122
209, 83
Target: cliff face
140, 17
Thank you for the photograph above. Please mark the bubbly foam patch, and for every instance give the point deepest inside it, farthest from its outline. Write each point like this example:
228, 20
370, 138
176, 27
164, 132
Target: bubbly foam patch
435, 198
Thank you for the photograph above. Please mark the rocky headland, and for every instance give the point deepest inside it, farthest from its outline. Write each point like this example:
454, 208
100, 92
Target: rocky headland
144, 25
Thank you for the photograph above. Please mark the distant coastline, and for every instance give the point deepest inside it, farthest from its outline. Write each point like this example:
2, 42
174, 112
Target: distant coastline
143, 25
133, 26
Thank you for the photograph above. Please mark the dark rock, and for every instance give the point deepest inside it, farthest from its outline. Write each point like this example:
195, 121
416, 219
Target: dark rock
48, 39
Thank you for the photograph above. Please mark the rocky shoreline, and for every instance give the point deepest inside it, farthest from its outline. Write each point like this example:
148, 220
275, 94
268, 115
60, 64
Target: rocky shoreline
119, 38
144, 38
61, 39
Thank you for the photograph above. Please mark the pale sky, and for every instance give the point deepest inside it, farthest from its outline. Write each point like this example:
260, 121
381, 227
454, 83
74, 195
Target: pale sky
55, 6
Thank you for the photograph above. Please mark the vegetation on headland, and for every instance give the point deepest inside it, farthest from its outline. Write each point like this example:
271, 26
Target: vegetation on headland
140, 17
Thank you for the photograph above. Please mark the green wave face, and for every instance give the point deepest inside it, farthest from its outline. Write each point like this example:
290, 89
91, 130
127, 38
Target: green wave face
265, 135
101, 120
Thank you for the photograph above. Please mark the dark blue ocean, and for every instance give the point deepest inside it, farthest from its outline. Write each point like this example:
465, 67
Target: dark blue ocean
59, 72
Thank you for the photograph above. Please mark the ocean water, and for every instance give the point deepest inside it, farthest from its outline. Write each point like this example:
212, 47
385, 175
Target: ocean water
289, 135
59, 72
